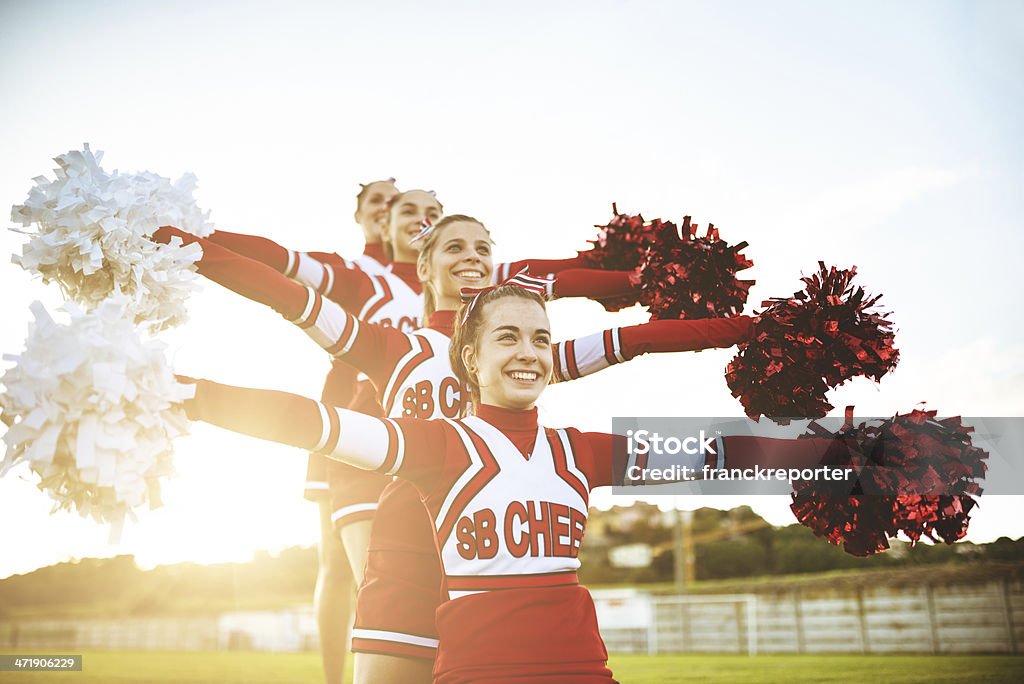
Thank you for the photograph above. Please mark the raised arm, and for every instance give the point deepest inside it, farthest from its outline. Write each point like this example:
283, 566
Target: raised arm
406, 447
585, 355
367, 346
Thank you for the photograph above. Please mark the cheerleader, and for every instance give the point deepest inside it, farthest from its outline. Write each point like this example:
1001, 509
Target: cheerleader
508, 498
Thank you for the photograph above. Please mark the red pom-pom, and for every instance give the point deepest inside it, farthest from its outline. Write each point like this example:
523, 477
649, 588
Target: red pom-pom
686, 276
862, 524
805, 345
620, 244
916, 474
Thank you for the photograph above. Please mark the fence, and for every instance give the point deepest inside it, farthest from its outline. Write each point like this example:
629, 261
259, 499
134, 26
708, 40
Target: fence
974, 618
978, 617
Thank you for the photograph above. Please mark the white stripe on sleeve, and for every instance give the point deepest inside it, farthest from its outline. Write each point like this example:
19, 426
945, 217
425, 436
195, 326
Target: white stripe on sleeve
325, 428
311, 272
363, 442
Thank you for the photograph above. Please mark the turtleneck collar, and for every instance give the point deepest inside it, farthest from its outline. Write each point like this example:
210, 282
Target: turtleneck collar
443, 322
519, 426
407, 272
375, 250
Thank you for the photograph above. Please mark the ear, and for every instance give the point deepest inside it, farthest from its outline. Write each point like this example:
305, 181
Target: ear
469, 359
422, 270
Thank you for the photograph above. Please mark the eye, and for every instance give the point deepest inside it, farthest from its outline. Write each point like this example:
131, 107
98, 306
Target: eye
542, 340
507, 337
484, 249
454, 247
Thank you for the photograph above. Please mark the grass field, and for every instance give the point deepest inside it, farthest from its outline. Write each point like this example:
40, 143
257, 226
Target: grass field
103, 667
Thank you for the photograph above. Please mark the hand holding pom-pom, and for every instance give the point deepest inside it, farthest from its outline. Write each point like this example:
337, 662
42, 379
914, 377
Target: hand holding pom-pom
92, 409
92, 231
620, 244
814, 341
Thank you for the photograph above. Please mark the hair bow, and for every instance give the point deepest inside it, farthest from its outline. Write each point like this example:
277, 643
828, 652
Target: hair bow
427, 227
522, 279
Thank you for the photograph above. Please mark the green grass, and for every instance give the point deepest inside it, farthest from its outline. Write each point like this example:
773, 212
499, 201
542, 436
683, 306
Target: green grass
102, 667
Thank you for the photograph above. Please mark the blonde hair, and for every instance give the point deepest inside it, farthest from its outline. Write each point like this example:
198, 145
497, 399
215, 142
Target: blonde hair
468, 329
424, 260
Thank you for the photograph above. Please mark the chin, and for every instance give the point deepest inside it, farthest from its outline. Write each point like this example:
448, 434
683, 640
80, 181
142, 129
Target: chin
523, 401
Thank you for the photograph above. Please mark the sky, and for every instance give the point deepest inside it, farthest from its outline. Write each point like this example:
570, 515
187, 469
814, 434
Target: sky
885, 135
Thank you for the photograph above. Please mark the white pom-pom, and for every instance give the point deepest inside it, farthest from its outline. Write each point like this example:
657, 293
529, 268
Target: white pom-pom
92, 231
92, 408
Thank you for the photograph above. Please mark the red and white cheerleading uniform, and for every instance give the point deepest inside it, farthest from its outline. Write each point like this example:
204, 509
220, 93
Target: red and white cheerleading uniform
508, 500
397, 602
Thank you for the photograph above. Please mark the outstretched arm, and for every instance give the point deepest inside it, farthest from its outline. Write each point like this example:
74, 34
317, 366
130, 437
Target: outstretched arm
537, 267
341, 279
406, 447
606, 460
583, 356
594, 284
366, 346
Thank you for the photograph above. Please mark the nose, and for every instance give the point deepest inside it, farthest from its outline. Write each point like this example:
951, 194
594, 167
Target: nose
526, 351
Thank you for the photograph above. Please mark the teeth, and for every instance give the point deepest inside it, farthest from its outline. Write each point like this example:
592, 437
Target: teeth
520, 375
470, 274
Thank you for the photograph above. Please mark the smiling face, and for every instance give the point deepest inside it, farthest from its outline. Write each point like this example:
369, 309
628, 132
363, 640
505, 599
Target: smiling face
372, 208
460, 256
405, 219
511, 355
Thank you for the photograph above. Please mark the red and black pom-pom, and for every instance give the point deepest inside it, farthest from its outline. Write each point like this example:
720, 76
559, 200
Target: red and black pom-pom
915, 474
691, 277
620, 244
805, 345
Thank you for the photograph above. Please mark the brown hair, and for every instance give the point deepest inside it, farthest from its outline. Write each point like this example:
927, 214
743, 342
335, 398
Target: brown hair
467, 332
426, 254
385, 242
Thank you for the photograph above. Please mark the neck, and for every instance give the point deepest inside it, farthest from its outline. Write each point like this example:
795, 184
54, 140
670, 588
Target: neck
443, 321
520, 426
374, 250
447, 303
407, 272
404, 254
508, 418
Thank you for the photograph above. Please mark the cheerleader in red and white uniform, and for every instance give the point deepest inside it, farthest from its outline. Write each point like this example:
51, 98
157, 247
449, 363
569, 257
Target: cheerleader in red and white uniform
508, 498
401, 592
